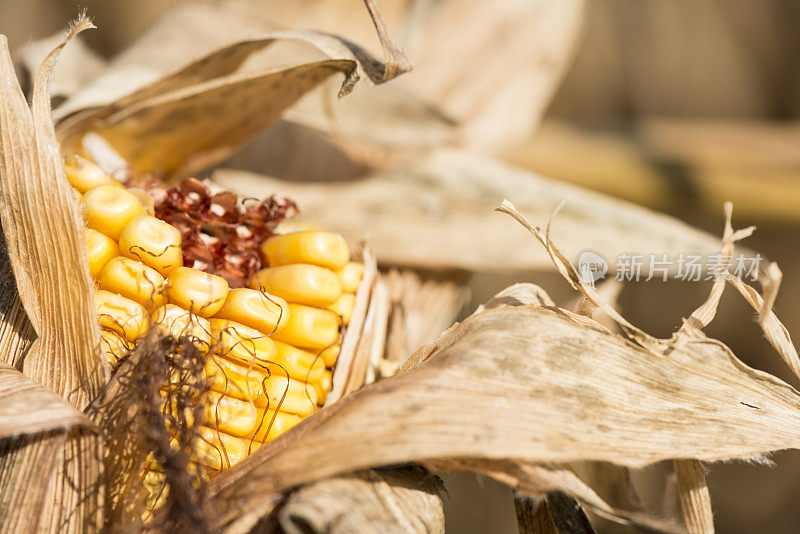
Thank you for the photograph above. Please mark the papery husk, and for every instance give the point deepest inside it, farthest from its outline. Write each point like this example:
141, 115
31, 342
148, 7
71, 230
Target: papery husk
491, 67
364, 336
694, 496
16, 331
422, 306
400, 499
488, 108
50, 472
205, 110
514, 392
455, 193
44, 239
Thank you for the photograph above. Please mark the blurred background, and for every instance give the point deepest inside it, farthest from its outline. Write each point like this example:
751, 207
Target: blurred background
677, 105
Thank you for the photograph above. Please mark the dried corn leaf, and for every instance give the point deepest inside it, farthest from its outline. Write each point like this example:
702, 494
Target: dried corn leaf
491, 66
533, 479
50, 473
421, 308
44, 237
694, 496
366, 329
16, 331
455, 193
191, 118
614, 484
495, 104
401, 499
532, 384
515, 387
28, 408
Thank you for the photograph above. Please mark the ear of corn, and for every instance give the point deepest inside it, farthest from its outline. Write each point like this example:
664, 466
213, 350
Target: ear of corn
269, 347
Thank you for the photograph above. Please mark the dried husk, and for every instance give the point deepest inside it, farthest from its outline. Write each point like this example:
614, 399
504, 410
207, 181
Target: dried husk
400, 499
50, 473
513, 390
365, 332
450, 102
202, 112
421, 307
44, 238
455, 193
490, 67
78, 65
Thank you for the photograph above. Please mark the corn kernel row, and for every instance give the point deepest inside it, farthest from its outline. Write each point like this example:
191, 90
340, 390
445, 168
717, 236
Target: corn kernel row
274, 344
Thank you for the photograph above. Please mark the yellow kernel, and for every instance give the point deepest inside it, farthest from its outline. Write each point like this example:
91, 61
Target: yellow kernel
218, 450
133, 280
291, 396
121, 315
84, 174
276, 424
100, 249
239, 380
177, 322
330, 354
153, 242
199, 292
241, 343
108, 208
255, 309
323, 386
325, 249
350, 276
244, 419
343, 307
309, 328
300, 364
300, 283
114, 347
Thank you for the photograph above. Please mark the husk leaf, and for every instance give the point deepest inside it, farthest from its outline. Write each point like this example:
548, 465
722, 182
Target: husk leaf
50, 469
512, 390
491, 67
78, 65
456, 193
205, 110
44, 238
400, 499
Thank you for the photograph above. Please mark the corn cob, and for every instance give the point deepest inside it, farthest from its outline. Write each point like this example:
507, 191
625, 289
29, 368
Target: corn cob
269, 347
